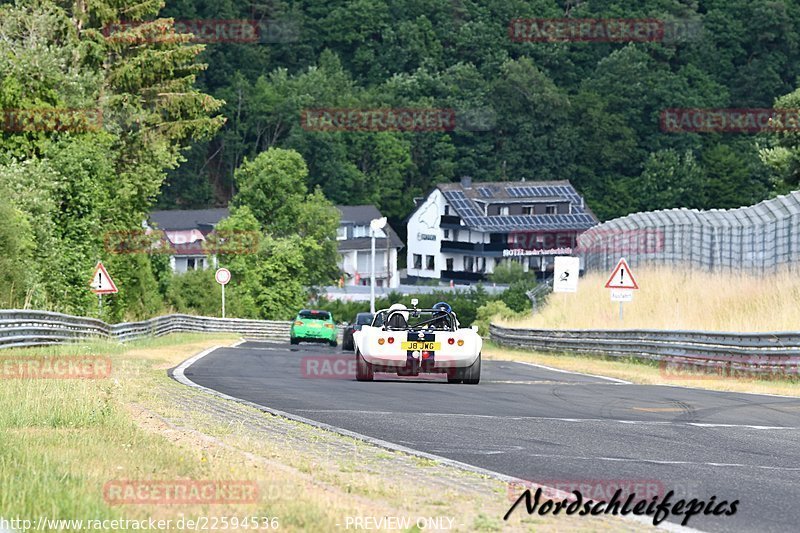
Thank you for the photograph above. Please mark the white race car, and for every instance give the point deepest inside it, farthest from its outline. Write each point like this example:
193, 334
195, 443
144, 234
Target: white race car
414, 341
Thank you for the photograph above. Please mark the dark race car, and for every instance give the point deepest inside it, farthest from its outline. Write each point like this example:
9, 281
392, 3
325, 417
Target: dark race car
362, 319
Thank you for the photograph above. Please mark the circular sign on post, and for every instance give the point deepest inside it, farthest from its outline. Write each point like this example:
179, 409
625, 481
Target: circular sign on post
223, 276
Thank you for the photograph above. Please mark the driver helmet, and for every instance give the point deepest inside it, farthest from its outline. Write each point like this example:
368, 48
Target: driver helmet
395, 307
443, 305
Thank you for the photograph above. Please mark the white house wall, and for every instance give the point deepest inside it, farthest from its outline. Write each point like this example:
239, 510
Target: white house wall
423, 224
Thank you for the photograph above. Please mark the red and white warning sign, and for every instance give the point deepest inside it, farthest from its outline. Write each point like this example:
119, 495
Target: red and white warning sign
622, 277
101, 282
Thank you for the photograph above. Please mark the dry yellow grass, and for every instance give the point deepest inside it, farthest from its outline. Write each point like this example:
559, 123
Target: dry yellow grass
646, 373
678, 299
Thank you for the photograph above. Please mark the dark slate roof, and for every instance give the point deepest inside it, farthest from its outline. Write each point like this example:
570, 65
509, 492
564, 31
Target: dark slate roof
183, 219
358, 214
362, 215
463, 202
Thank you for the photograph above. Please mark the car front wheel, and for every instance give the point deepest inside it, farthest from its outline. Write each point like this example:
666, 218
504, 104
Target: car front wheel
363, 368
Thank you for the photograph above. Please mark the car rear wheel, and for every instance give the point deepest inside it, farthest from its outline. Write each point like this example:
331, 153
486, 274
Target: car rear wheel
472, 374
363, 368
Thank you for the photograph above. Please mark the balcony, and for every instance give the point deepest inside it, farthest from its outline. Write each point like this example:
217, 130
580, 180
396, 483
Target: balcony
450, 222
474, 248
455, 275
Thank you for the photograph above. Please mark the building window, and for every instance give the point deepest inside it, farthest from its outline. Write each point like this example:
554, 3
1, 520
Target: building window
447, 234
449, 263
527, 210
417, 261
483, 264
550, 210
360, 231
469, 263
446, 210
429, 262
504, 210
190, 263
341, 233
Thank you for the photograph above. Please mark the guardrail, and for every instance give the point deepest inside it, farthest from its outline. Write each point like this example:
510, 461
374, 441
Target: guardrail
722, 351
19, 328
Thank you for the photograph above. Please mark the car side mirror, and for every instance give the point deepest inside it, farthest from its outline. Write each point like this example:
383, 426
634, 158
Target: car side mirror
474, 328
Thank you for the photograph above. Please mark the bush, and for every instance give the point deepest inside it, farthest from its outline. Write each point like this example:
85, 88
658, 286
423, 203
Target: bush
195, 292
508, 272
494, 309
516, 297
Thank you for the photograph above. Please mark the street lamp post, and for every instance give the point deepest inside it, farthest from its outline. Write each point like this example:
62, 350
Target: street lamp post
375, 225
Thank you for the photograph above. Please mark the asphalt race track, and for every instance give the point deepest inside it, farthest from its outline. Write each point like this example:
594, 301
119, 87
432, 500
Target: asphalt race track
549, 427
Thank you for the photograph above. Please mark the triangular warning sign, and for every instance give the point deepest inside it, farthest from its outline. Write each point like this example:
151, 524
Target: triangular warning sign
622, 277
101, 282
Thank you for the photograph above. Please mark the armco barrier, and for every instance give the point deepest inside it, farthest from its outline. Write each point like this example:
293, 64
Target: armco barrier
739, 352
19, 328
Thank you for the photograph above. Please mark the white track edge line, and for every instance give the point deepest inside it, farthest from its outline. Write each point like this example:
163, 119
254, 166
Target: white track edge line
178, 375
616, 380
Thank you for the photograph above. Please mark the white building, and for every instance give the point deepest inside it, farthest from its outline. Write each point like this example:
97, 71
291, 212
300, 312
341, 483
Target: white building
460, 232
355, 247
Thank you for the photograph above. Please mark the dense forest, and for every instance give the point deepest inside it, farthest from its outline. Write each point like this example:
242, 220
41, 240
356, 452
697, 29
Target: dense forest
583, 111
173, 121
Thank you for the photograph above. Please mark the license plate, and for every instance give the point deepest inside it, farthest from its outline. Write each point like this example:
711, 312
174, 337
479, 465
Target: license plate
313, 325
427, 346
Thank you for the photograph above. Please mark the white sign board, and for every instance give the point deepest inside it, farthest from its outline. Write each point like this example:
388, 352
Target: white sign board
621, 277
101, 282
621, 295
223, 276
566, 271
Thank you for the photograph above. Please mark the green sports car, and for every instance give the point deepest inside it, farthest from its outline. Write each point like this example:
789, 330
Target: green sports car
314, 326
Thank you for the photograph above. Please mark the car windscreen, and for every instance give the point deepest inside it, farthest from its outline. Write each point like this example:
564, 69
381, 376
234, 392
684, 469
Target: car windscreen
364, 318
315, 315
421, 320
